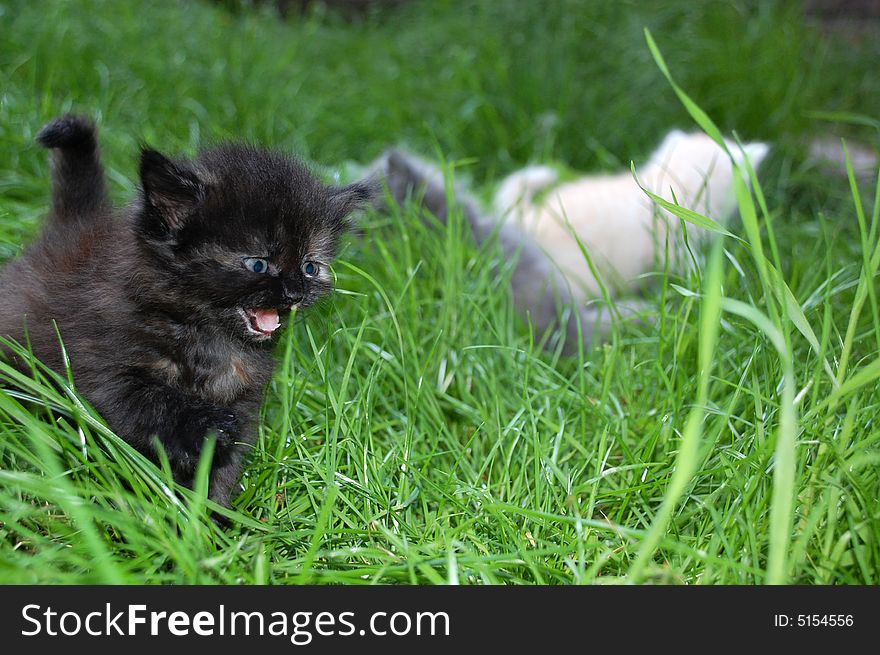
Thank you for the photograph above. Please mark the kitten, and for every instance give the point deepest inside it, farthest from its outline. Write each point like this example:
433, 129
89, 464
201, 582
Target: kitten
608, 215
168, 308
539, 288
613, 218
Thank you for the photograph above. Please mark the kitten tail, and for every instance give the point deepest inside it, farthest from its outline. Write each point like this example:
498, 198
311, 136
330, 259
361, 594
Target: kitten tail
78, 188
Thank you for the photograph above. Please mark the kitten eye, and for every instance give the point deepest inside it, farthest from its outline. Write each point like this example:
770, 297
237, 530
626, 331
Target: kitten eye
256, 265
310, 269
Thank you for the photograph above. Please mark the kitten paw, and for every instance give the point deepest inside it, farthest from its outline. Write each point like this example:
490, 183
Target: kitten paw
204, 422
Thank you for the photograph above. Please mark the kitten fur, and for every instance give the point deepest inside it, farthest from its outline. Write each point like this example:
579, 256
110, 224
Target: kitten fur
616, 222
168, 332
608, 215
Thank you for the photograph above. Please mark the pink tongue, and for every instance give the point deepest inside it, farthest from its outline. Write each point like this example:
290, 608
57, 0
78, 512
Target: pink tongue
266, 319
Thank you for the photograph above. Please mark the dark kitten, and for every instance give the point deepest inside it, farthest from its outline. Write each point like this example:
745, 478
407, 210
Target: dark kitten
167, 308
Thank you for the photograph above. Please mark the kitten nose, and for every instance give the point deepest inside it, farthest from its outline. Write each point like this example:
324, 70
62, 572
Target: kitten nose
292, 296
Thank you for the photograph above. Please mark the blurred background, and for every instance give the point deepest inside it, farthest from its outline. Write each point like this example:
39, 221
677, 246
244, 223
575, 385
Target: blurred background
504, 82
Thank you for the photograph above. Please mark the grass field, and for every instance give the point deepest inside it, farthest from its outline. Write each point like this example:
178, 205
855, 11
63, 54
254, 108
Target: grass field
414, 433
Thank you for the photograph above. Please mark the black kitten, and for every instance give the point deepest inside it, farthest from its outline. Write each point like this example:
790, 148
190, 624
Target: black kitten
167, 308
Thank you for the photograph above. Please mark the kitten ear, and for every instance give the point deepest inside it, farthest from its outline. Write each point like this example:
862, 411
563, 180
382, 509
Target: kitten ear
171, 189
352, 197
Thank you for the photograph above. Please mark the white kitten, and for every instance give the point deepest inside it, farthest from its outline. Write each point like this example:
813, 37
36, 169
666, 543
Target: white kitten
620, 228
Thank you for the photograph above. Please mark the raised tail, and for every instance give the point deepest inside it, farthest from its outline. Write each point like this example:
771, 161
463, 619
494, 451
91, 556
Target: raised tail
78, 188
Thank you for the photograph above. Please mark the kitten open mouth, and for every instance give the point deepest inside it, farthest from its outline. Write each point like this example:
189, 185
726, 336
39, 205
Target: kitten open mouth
260, 322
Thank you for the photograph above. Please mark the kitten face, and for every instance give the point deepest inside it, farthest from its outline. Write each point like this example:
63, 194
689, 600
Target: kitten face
244, 235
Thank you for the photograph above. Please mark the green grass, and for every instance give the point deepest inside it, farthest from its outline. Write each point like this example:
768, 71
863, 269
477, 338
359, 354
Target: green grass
414, 433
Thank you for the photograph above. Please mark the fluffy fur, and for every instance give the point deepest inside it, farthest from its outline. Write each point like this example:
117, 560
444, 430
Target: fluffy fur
608, 215
614, 220
168, 328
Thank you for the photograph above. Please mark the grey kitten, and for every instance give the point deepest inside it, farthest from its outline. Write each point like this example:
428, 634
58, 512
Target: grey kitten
540, 290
